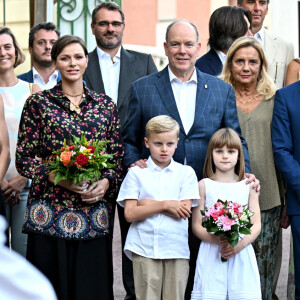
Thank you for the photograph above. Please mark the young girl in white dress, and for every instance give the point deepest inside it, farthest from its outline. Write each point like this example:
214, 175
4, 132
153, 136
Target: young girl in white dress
238, 278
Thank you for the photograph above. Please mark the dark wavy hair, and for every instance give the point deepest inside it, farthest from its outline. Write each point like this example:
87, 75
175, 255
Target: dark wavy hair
49, 26
226, 24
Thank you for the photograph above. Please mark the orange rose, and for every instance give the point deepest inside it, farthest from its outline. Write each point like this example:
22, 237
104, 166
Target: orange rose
65, 157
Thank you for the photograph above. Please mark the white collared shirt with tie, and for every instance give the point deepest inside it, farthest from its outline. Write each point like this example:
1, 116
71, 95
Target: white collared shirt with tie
185, 97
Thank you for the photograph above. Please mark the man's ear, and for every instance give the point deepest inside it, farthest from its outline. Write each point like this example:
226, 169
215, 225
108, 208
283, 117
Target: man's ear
30, 50
93, 28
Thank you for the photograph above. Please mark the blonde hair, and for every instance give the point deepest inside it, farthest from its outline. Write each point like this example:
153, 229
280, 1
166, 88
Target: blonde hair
265, 85
224, 137
20, 56
161, 124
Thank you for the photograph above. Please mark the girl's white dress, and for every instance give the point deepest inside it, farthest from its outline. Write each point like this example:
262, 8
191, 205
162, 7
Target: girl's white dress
236, 279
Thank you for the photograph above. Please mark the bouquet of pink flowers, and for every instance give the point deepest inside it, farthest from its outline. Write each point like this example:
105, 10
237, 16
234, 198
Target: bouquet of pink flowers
80, 161
228, 219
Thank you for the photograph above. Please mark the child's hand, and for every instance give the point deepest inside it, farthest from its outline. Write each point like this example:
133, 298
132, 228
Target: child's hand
227, 250
177, 209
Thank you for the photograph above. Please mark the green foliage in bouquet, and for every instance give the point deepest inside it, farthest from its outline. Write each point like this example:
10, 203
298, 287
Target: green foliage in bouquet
228, 219
83, 160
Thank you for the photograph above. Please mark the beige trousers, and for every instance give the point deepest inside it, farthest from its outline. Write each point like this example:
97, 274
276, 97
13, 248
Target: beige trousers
156, 279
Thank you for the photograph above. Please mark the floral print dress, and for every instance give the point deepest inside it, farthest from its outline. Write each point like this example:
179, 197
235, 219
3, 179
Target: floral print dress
46, 121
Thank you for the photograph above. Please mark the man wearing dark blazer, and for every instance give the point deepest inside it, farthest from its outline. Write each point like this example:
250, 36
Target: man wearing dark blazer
226, 24
111, 70
41, 39
132, 65
286, 147
199, 102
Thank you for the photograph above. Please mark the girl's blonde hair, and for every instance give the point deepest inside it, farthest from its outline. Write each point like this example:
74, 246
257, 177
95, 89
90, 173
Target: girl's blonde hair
265, 84
224, 137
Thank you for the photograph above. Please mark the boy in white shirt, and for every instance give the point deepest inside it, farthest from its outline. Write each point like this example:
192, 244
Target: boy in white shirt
158, 201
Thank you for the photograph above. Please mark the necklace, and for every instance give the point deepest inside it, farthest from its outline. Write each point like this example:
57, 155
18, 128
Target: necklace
249, 99
73, 95
73, 106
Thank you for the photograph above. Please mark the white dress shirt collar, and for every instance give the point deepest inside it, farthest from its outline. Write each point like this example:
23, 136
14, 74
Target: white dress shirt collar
110, 72
174, 77
260, 36
38, 79
102, 53
185, 96
153, 166
222, 56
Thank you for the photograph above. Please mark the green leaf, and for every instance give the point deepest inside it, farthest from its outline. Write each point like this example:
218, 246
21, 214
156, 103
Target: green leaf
245, 231
234, 227
220, 233
234, 242
234, 236
58, 177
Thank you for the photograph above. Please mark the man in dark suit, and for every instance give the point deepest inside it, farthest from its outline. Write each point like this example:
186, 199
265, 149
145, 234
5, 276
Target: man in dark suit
226, 24
286, 147
111, 70
41, 39
108, 24
200, 103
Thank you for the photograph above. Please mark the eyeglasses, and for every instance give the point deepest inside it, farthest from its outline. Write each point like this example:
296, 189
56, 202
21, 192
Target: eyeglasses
115, 24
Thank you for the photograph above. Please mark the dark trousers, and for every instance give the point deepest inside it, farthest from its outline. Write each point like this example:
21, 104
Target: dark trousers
77, 269
127, 271
295, 225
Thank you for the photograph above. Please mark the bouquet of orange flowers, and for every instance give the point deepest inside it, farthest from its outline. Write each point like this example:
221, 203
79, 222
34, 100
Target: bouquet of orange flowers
81, 161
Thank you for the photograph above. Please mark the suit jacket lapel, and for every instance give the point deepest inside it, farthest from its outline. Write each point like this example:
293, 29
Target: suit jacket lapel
127, 69
94, 73
270, 46
164, 88
202, 99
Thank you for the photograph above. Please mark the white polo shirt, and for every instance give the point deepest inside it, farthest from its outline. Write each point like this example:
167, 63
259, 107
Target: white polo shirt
159, 236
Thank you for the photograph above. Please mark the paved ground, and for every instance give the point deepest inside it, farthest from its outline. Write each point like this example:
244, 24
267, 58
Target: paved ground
118, 286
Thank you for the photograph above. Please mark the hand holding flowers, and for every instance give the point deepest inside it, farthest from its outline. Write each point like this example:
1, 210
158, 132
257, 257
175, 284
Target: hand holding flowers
77, 165
227, 220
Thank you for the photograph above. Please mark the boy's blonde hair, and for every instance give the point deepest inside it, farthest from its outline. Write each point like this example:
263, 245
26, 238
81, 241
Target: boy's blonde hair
224, 137
161, 124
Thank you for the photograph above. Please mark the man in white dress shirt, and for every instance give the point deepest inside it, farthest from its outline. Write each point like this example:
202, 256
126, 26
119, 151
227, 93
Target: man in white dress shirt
41, 39
111, 70
278, 52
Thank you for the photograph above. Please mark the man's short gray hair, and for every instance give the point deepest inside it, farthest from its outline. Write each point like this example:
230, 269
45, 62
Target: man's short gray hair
182, 21
241, 2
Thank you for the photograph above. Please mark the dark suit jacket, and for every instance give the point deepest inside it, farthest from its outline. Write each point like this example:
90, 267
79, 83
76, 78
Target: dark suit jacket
286, 142
210, 63
28, 77
153, 95
134, 65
